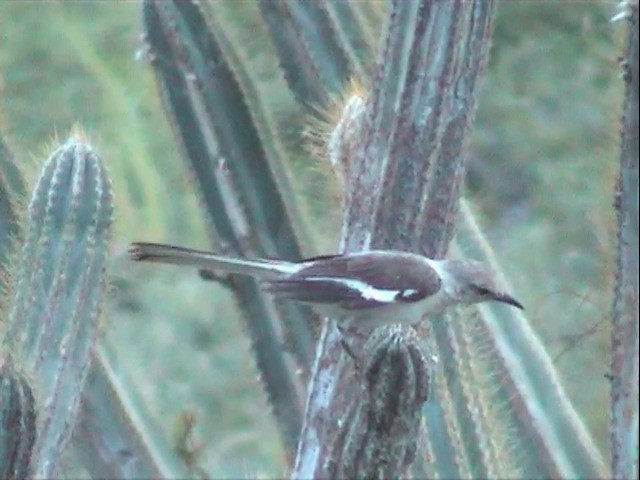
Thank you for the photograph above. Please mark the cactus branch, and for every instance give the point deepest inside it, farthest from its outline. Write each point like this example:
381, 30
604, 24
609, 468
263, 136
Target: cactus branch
312, 59
53, 323
17, 422
237, 182
562, 443
113, 438
624, 355
381, 188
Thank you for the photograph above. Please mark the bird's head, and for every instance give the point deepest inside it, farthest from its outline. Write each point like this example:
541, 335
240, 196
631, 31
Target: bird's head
475, 283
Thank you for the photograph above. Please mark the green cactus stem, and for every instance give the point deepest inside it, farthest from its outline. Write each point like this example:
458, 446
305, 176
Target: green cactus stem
53, 323
17, 422
11, 189
242, 192
114, 438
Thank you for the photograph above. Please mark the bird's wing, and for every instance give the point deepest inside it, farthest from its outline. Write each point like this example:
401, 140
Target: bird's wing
356, 282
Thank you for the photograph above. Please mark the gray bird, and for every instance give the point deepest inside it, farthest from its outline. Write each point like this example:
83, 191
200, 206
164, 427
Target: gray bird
361, 290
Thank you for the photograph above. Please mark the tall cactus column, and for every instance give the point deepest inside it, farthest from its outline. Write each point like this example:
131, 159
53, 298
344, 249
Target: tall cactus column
60, 279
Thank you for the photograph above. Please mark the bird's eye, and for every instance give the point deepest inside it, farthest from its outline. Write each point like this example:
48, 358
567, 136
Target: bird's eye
482, 291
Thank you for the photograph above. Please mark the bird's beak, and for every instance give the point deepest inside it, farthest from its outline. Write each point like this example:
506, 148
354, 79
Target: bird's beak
508, 299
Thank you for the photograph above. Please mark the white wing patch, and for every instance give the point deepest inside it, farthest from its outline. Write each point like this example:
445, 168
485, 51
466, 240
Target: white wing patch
369, 292
382, 296
408, 293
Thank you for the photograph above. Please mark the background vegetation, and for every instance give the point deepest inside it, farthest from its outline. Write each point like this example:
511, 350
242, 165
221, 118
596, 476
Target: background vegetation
541, 171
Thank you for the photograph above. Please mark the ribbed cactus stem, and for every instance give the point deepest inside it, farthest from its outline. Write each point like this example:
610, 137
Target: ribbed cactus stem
395, 166
246, 195
11, 189
397, 376
114, 437
374, 434
53, 322
17, 421
11, 173
625, 337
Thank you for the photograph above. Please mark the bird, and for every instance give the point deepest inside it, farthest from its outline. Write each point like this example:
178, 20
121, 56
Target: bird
361, 290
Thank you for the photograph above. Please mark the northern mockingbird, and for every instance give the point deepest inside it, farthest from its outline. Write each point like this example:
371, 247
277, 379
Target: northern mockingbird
360, 290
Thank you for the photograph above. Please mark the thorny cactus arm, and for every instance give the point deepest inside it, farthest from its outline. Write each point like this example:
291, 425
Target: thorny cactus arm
17, 421
240, 189
113, 437
350, 35
11, 188
515, 388
10, 170
53, 323
7, 218
312, 59
377, 423
624, 342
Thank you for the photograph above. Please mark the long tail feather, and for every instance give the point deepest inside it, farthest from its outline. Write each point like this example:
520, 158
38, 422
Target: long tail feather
261, 269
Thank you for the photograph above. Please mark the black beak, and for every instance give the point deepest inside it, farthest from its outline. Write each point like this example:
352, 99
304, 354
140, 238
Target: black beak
508, 299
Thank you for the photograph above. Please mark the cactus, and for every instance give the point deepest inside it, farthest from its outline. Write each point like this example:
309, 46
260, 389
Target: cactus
8, 218
495, 406
17, 421
556, 440
239, 186
11, 188
112, 438
625, 343
53, 323
389, 146
313, 60
469, 425
381, 423
106, 428
10, 171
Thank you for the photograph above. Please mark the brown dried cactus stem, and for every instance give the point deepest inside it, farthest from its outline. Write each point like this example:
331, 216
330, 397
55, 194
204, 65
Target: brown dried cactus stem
17, 422
400, 159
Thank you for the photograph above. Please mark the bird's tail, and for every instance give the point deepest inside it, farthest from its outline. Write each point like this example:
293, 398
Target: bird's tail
260, 269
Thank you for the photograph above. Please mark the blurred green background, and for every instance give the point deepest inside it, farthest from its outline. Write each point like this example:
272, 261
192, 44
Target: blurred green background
542, 162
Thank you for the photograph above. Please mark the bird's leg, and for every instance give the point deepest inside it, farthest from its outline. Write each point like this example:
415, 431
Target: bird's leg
343, 341
350, 330
349, 351
213, 276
